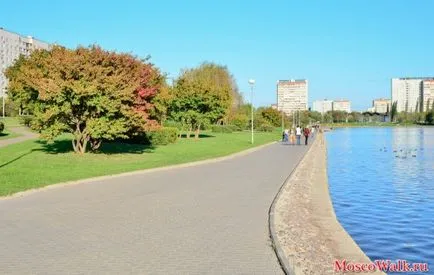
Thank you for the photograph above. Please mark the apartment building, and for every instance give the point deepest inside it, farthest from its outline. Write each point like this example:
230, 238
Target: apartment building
342, 105
412, 93
12, 45
381, 105
427, 94
292, 95
322, 106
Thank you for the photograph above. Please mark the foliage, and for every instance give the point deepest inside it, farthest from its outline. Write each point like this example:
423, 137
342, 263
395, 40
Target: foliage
429, 118
393, 113
339, 116
315, 116
11, 108
240, 120
273, 116
202, 96
162, 136
26, 120
266, 127
2, 126
92, 93
161, 103
224, 128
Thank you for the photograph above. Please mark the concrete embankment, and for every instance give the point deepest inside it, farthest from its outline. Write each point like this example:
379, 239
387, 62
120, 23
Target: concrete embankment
307, 236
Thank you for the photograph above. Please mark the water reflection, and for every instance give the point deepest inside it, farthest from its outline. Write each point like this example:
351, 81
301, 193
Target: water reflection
382, 186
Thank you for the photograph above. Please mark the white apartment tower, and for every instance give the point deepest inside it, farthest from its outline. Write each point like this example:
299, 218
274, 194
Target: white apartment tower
342, 105
412, 93
12, 45
381, 105
322, 106
427, 94
292, 95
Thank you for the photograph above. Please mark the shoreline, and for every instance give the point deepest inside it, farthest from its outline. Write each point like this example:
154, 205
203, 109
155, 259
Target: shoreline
306, 234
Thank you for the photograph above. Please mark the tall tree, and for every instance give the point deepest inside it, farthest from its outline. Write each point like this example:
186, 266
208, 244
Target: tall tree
92, 93
271, 115
394, 111
202, 96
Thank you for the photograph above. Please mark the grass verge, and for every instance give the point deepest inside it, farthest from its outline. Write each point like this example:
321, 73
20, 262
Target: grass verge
34, 164
8, 134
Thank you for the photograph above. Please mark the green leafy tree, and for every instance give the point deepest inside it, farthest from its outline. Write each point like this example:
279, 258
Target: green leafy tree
202, 96
315, 116
94, 94
161, 104
393, 113
339, 116
240, 120
273, 116
430, 117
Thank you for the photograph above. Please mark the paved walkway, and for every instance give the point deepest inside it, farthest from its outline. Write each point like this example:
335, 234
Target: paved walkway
206, 219
25, 134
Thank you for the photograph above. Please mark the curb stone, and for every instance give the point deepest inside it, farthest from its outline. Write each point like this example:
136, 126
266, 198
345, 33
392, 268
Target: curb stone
283, 260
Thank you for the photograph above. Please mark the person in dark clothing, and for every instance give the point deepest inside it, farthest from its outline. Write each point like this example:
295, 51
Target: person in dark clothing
306, 133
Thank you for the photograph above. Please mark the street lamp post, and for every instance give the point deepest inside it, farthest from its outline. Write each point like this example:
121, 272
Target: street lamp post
252, 84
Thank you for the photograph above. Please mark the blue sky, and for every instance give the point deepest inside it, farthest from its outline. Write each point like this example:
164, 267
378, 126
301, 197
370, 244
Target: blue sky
346, 49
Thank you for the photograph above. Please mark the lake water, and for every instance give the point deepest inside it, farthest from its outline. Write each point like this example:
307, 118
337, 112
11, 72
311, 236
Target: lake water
382, 186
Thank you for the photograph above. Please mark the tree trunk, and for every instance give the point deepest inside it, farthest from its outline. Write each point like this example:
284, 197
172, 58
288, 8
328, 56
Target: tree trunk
189, 132
79, 143
196, 136
95, 144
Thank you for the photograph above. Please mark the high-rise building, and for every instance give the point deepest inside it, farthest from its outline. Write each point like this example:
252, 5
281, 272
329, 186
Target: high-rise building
322, 106
12, 45
342, 105
427, 94
381, 105
292, 95
409, 94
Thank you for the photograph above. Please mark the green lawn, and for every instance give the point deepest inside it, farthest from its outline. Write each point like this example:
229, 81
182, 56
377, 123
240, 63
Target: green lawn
8, 134
33, 164
9, 122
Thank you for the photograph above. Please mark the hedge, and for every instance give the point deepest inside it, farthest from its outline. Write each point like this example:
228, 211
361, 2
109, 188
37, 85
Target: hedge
2, 126
224, 128
266, 128
162, 136
26, 120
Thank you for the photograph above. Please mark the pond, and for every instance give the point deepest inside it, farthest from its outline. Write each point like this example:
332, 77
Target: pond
382, 186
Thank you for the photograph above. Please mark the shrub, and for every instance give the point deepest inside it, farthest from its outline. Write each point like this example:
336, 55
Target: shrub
26, 120
172, 124
266, 127
162, 136
224, 128
241, 121
2, 126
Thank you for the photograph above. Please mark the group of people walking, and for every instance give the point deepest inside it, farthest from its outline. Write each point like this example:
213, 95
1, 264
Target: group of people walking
293, 136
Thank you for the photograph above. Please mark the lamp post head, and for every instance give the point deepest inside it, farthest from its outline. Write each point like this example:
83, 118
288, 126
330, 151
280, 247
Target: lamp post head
251, 82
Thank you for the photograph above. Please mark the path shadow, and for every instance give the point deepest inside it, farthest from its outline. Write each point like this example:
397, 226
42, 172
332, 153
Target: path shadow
107, 147
4, 134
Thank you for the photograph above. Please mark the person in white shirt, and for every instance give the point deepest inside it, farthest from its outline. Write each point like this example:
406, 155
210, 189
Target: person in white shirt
298, 134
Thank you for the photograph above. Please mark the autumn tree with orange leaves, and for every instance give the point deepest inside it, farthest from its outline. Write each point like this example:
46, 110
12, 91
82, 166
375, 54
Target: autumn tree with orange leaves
94, 94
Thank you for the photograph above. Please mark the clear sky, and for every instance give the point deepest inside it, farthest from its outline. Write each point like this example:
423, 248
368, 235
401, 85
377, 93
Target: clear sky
346, 49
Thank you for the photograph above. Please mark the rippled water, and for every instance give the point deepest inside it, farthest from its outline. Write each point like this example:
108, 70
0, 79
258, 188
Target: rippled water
382, 186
